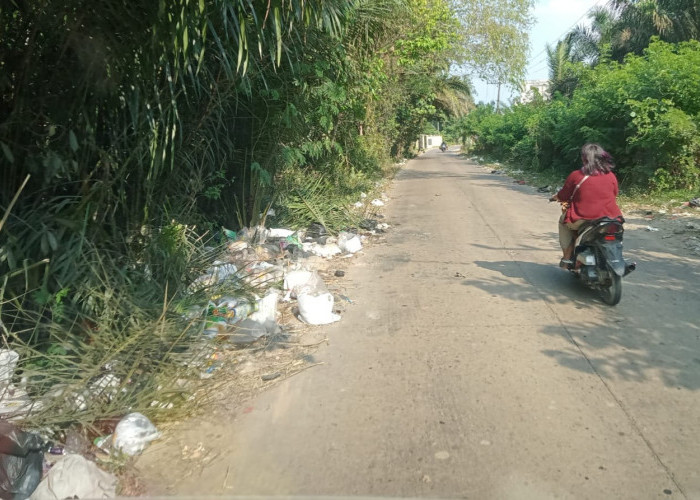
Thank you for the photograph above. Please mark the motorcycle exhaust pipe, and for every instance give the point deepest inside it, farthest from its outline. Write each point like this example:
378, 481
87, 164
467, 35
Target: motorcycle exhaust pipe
630, 267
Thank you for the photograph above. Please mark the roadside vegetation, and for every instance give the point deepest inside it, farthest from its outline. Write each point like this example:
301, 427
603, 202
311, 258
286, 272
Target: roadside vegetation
136, 138
628, 82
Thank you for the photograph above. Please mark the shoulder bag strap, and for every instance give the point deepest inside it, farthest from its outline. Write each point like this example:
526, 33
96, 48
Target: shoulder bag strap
571, 198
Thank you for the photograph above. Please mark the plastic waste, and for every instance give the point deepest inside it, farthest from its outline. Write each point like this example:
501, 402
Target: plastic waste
76, 477
316, 230
280, 233
264, 320
223, 270
21, 462
266, 308
326, 251
349, 242
229, 311
317, 309
8, 364
377, 203
133, 433
106, 386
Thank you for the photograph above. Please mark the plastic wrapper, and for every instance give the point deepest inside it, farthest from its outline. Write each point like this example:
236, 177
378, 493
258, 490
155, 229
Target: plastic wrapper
21, 462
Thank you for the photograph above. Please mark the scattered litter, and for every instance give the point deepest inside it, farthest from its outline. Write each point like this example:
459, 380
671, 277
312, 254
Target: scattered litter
8, 364
316, 230
652, 229
358, 204
326, 251
339, 273
377, 203
133, 433
76, 477
349, 242
280, 233
694, 203
105, 386
543, 189
345, 298
363, 195
317, 309
238, 246
521, 182
368, 224
496, 172
270, 376
21, 462
264, 320
230, 235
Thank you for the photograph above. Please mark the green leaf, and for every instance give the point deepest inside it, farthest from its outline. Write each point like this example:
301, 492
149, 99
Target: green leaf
8, 154
52, 240
73, 141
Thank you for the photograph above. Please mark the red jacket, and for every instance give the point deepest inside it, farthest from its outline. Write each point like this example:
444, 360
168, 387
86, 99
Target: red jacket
595, 198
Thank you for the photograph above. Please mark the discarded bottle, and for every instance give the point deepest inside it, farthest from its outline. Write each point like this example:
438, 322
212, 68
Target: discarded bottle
243, 310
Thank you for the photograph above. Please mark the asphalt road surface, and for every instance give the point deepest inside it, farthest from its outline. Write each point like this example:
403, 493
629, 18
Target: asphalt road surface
470, 366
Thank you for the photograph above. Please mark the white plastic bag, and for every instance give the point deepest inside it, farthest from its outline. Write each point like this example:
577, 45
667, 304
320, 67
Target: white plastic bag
76, 477
349, 242
8, 364
299, 282
317, 309
280, 233
133, 433
326, 251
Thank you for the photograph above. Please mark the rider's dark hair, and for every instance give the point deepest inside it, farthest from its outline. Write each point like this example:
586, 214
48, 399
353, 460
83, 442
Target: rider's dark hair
596, 160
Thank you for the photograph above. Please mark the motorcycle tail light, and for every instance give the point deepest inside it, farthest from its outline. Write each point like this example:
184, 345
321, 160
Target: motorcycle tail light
609, 237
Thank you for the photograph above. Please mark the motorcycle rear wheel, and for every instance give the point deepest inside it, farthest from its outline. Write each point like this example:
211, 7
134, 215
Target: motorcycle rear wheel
612, 293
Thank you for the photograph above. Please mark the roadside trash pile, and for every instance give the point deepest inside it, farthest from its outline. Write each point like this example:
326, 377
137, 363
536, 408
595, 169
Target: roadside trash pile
272, 268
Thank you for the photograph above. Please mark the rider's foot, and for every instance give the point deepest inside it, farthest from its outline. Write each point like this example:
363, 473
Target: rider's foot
566, 263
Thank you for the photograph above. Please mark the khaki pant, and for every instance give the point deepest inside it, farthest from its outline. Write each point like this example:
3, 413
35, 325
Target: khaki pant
568, 231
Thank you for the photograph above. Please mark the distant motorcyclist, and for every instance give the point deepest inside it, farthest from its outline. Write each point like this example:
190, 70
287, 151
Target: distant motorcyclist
443, 146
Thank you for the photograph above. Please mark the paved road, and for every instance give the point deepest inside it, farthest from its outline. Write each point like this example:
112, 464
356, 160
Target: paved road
470, 366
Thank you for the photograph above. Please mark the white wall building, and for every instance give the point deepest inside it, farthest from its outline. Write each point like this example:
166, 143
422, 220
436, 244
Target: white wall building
527, 92
426, 142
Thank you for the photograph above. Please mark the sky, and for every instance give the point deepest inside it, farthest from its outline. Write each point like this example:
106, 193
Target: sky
553, 20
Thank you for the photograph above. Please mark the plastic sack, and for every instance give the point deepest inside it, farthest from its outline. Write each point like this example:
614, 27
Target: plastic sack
21, 462
349, 242
325, 251
280, 233
266, 311
300, 282
317, 309
8, 363
75, 477
133, 433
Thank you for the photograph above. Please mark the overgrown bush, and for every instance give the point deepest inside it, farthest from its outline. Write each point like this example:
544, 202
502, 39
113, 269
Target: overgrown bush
645, 111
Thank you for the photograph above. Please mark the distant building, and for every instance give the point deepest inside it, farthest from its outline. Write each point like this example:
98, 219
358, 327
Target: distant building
429, 141
527, 93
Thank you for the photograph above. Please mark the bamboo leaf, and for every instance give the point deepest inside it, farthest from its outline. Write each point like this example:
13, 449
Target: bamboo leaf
73, 140
6, 151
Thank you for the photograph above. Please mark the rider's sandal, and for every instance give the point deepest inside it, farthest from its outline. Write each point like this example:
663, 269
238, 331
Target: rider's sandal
566, 263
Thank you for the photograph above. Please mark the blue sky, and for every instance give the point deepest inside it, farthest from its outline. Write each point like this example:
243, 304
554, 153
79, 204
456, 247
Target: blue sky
553, 19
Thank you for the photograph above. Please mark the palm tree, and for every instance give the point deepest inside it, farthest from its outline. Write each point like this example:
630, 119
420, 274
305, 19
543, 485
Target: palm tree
589, 42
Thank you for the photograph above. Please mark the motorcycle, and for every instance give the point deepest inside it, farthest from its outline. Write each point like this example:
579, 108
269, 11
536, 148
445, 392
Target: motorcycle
597, 259
443, 147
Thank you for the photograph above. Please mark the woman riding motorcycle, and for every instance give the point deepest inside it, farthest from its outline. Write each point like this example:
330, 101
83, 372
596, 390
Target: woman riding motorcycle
588, 194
